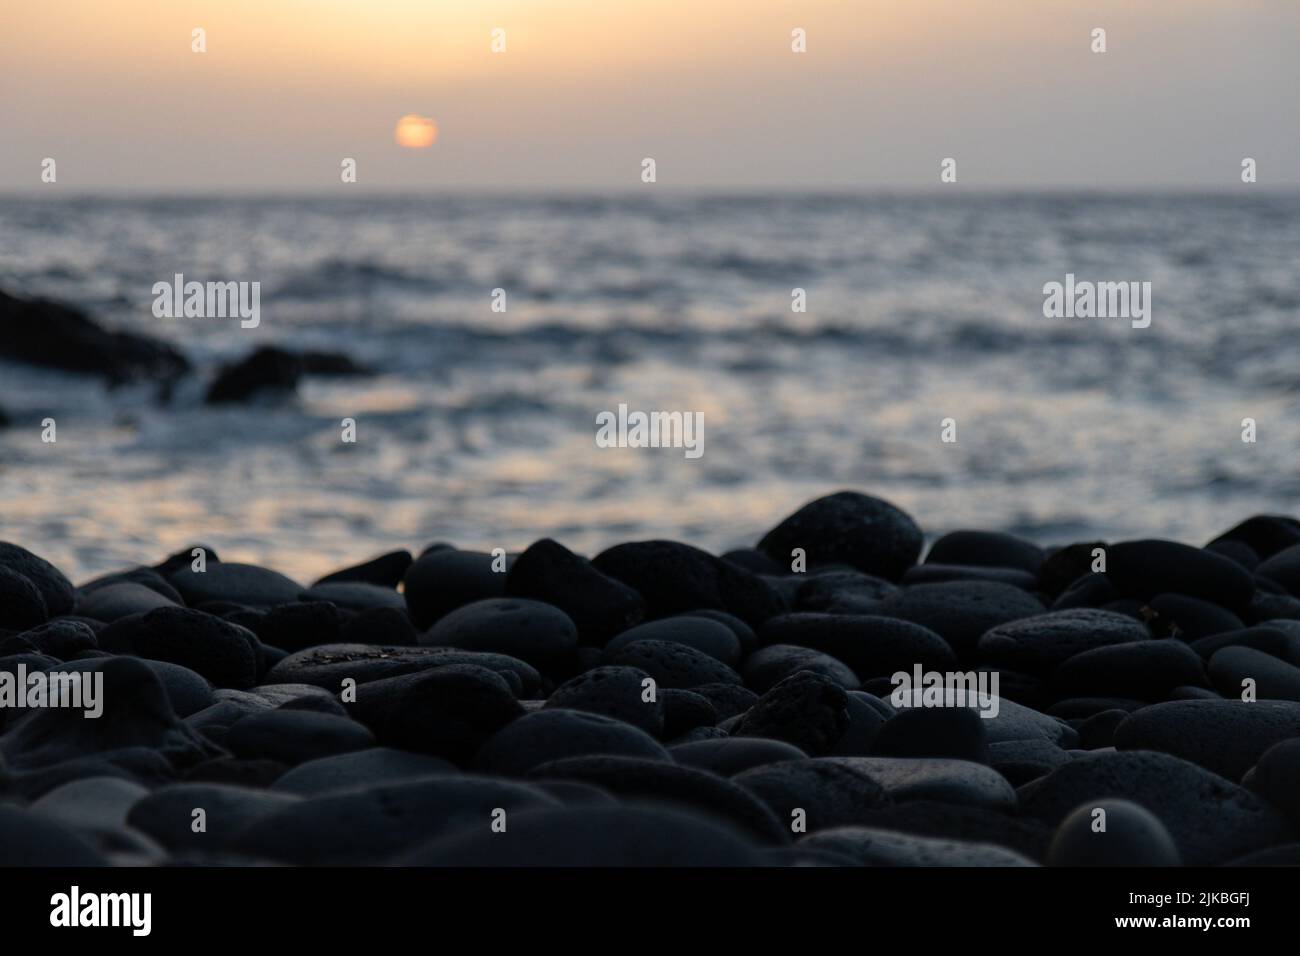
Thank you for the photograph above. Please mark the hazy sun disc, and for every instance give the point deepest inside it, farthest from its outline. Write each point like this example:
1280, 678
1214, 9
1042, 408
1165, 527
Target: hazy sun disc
415, 132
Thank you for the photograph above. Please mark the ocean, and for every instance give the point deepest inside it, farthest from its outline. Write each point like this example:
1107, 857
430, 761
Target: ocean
479, 426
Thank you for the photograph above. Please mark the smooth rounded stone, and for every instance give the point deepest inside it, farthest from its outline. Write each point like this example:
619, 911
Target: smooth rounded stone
355, 595
139, 575
1243, 554
222, 652
245, 584
184, 559
684, 711
675, 578
961, 611
367, 825
1127, 607
1267, 638
1265, 608
379, 625
805, 709
954, 821
767, 667
119, 600
21, 604
709, 637
1276, 777
385, 570
141, 765
599, 606
1274, 679
866, 716
672, 664
1145, 568
188, 691
873, 847
1025, 689
635, 779
1225, 736
936, 778
1098, 730
1064, 566
91, 804
299, 625
1130, 836
449, 711
547, 735
440, 581
29, 839
1090, 590
829, 794
573, 793
293, 737
330, 664
236, 772
732, 755
358, 768
743, 632
617, 836
850, 528
943, 573
824, 590
1192, 693
1283, 568
62, 638
1145, 670
698, 733
1023, 760
136, 713
529, 630
987, 549
1211, 820
872, 645
617, 692
57, 593
1039, 644
1266, 535
956, 732
729, 700
1188, 618
167, 815
1012, 721
751, 559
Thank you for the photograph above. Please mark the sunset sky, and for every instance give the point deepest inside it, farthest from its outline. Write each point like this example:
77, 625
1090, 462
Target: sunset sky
288, 88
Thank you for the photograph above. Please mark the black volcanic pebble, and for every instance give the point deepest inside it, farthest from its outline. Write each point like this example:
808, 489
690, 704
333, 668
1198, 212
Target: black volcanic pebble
1126, 835
224, 653
1091, 590
673, 665
1145, 568
830, 590
805, 709
235, 772
873, 646
294, 737
876, 847
751, 559
1237, 551
529, 630
1269, 638
676, 578
728, 700
732, 755
113, 601
1145, 670
441, 580
1276, 777
302, 624
1063, 566
167, 814
954, 821
744, 633
684, 711
600, 606
547, 735
943, 573
57, 592
1284, 568
62, 638
1266, 535
386, 570
355, 596
328, 665
378, 625
850, 528
1265, 607
987, 549
1040, 643
961, 611
28, 838
1225, 736
956, 732
1021, 761
639, 836
1274, 679
1098, 730
245, 584
711, 637
770, 665
617, 692
867, 714
817, 793
1188, 618
21, 604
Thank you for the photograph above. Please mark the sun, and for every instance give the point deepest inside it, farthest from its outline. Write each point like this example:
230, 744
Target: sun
415, 132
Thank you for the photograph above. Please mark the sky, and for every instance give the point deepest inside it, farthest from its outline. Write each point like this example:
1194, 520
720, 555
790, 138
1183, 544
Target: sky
586, 89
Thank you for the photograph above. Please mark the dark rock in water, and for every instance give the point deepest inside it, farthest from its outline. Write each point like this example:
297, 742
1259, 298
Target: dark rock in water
29, 839
359, 768
676, 578
56, 590
1021, 761
684, 711
316, 362
444, 579
1131, 836
936, 778
616, 692
167, 814
956, 732
867, 714
953, 821
379, 625
62, 638
1040, 643
529, 630
1211, 820
805, 709
448, 711
711, 637
592, 836
1143, 569
850, 528
945, 573
21, 604
119, 600
1098, 731
293, 627
328, 665
1276, 778
266, 370
600, 606
1274, 679
222, 652
873, 646
1187, 618
961, 611
50, 334
673, 665
386, 570
662, 780
872, 847
355, 596
1284, 568
770, 665
368, 824
294, 737
728, 700
1091, 590
1225, 736
732, 755
1266, 535
1145, 670
987, 549
548, 735
828, 794
829, 591
244, 584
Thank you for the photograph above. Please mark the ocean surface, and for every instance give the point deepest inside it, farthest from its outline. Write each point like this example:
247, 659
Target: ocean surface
479, 426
